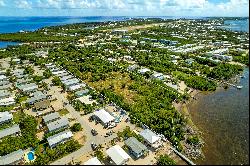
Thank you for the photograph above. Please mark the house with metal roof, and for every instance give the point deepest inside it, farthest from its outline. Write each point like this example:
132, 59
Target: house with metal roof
76, 87
58, 124
62, 74
5, 86
51, 117
104, 116
37, 96
5, 117
135, 147
59, 138
3, 77
5, 82
7, 101
64, 78
18, 71
159, 76
118, 155
28, 87
71, 81
93, 161
4, 94
14, 158
82, 93
10, 131
143, 70
151, 138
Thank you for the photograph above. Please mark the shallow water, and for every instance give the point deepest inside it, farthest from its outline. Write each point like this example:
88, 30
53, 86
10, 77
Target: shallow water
223, 118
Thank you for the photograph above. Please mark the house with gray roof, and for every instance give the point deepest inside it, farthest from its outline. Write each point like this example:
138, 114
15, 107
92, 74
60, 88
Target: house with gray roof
14, 158
7, 101
58, 124
59, 138
64, 78
37, 96
71, 81
5, 117
135, 147
5, 86
28, 87
151, 138
10, 131
82, 93
51, 117
4, 82
3, 77
4, 94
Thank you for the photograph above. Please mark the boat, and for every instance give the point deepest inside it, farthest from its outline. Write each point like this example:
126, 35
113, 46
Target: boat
239, 87
242, 76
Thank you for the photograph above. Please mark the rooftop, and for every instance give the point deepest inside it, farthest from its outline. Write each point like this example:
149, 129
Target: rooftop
11, 157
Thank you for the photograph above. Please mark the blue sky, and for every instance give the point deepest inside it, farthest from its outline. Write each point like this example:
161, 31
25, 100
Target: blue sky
124, 8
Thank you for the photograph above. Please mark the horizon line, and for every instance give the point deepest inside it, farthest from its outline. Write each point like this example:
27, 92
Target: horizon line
129, 16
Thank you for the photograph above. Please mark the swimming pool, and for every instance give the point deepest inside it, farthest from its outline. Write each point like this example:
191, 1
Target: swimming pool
31, 156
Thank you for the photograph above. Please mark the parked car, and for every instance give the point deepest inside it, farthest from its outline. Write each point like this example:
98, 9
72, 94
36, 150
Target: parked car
91, 118
94, 132
93, 146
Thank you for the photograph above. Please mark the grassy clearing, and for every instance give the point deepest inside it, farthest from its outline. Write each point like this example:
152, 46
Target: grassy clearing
119, 83
63, 111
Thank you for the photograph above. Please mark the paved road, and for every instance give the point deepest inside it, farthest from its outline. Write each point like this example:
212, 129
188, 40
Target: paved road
87, 130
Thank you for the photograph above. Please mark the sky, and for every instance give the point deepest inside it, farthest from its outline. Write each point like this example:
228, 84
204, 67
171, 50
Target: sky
228, 8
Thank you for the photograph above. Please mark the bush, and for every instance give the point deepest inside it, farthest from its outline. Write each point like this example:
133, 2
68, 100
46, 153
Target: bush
193, 140
165, 160
76, 127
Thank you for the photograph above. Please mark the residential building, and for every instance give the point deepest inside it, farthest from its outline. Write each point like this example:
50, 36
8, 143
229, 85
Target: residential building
37, 96
118, 155
58, 124
4, 94
13, 130
59, 138
93, 161
14, 158
51, 117
28, 87
5, 117
82, 93
135, 147
104, 116
7, 101
151, 138
143, 70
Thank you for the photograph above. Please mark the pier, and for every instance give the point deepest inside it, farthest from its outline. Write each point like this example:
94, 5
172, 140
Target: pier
183, 157
224, 82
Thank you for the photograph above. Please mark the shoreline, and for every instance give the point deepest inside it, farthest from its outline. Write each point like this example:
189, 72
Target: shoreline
184, 108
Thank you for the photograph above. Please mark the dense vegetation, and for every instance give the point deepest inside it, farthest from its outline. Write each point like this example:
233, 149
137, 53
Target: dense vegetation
28, 126
225, 71
165, 160
44, 155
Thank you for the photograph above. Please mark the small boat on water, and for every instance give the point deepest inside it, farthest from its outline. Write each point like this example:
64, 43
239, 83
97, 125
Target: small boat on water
239, 87
242, 76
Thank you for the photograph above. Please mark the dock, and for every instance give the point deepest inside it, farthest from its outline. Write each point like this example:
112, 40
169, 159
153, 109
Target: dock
183, 157
224, 82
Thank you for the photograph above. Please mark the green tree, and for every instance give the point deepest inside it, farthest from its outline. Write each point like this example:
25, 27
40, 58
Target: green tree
56, 81
165, 160
76, 127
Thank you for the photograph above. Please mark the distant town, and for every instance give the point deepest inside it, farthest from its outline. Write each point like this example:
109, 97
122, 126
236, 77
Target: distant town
110, 93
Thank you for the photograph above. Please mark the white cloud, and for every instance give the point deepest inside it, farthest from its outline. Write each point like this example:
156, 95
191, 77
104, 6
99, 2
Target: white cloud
142, 7
23, 4
2, 3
